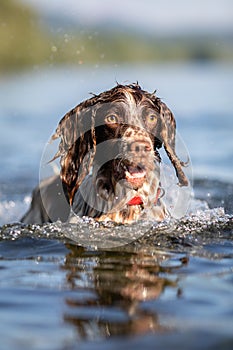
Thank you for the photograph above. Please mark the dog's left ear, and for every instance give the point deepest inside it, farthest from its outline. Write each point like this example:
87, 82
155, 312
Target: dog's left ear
168, 138
77, 146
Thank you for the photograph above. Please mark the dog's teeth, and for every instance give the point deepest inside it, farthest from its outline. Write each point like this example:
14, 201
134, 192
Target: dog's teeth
135, 175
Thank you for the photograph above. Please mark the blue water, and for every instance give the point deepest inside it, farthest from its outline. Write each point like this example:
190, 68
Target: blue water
172, 288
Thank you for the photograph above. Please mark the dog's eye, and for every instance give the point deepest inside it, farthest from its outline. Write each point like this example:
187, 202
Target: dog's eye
112, 119
151, 119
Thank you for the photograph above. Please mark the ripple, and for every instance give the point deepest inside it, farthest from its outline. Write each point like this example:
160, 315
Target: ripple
191, 233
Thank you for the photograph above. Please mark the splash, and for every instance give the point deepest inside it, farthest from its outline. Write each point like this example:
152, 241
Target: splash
12, 209
191, 233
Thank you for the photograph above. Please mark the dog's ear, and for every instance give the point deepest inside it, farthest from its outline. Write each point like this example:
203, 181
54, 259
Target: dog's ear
168, 138
77, 146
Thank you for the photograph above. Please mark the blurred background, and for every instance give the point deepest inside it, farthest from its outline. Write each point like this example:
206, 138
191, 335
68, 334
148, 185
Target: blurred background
36, 33
54, 53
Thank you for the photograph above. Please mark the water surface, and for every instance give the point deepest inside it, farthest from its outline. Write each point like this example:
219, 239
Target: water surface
169, 288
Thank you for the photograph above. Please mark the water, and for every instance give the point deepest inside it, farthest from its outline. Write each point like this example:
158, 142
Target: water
170, 288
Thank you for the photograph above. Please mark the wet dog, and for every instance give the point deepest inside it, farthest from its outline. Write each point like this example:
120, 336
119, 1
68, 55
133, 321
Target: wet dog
109, 158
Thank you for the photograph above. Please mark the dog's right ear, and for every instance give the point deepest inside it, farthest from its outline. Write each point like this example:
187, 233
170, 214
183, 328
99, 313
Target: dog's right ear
77, 146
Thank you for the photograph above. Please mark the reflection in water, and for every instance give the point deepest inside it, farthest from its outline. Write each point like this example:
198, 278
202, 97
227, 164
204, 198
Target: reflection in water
176, 280
109, 288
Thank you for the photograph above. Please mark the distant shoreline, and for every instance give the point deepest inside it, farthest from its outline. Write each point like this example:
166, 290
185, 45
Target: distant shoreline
26, 42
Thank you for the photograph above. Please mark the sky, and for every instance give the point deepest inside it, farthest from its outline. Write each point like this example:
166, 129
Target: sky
162, 16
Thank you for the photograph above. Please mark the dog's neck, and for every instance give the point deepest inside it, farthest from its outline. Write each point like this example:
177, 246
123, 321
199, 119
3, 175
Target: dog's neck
119, 195
131, 206
137, 200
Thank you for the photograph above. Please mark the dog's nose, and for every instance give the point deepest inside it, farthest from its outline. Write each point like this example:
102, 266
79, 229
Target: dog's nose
140, 147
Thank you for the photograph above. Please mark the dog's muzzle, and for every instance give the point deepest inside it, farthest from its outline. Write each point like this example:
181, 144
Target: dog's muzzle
138, 157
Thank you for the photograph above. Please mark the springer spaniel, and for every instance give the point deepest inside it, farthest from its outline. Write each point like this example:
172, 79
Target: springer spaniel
109, 158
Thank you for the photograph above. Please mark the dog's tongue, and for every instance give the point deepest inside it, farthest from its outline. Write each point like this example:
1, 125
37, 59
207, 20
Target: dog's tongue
135, 173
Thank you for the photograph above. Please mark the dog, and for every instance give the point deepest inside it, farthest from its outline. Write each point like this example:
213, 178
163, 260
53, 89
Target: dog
109, 160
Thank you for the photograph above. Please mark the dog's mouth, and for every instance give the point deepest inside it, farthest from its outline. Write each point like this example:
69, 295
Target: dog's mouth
135, 174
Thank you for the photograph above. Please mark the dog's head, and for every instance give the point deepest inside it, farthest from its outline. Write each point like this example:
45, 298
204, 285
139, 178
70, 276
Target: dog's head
118, 133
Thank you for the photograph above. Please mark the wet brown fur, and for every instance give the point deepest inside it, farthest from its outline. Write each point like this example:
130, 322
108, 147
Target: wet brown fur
83, 129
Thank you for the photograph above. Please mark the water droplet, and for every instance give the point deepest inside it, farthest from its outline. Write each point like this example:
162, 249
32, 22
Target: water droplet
54, 48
